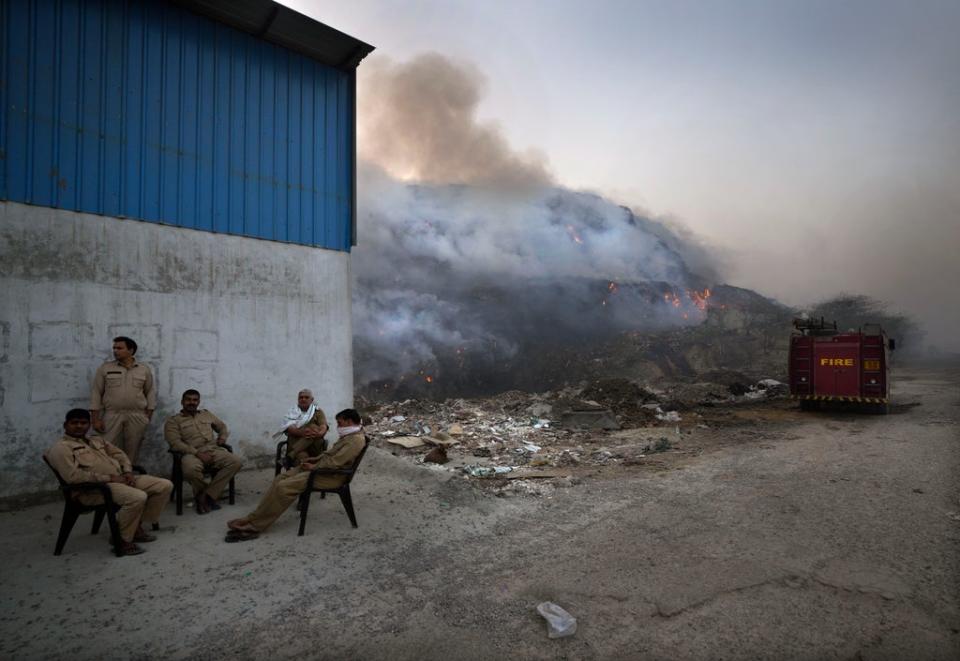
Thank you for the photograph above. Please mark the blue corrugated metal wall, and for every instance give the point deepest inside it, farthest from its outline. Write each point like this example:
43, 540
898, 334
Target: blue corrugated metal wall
145, 110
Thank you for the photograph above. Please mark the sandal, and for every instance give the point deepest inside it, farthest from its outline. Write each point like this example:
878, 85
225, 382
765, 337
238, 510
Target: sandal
240, 524
240, 536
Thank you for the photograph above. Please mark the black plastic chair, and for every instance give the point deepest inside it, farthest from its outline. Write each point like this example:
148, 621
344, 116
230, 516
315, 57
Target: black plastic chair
343, 490
177, 478
281, 461
73, 508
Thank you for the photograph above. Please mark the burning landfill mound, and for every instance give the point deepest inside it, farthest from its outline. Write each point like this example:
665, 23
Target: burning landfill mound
510, 340
461, 293
507, 327
487, 276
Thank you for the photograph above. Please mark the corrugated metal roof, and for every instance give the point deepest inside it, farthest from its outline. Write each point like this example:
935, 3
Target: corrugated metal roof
147, 111
286, 27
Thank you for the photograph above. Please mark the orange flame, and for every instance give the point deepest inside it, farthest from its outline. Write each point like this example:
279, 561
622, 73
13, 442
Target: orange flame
699, 298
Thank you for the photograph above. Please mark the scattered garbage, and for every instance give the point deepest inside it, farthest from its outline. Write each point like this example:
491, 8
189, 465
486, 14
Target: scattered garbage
525, 437
560, 623
738, 389
407, 441
668, 416
486, 471
437, 455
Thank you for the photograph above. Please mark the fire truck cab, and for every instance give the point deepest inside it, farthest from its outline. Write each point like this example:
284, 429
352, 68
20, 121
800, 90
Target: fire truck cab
827, 365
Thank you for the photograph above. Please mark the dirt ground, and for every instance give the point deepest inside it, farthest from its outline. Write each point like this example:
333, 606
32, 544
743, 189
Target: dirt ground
760, 532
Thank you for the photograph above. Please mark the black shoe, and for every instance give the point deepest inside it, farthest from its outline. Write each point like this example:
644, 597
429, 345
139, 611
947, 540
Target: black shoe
129, 548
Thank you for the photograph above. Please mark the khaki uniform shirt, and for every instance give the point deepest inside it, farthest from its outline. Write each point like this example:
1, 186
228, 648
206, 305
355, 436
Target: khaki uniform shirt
299, 447
343, 453
87, 460
195, 433
117, 388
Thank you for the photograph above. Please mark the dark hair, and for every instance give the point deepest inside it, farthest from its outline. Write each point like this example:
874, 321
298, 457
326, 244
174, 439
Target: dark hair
190, 391
349, 414
130, 343
77, 414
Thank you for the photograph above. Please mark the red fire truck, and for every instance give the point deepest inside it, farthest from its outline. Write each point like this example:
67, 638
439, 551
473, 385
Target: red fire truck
827, 365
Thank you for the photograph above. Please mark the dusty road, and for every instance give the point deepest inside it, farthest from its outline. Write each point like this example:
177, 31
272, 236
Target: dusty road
821, 536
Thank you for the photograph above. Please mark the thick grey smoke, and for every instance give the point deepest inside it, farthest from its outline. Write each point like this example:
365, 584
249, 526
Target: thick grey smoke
483, 260
419, 123
448, 272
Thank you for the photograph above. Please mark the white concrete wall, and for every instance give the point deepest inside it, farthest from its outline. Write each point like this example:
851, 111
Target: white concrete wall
246, 322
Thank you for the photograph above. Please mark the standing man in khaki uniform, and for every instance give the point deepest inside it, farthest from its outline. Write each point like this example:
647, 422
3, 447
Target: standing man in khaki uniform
286, 487
192, 432
123, 398
141, 498
304, 426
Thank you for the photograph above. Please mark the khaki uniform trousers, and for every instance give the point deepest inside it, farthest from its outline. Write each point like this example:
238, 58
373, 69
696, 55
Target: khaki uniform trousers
285, 489
138, 505
225, 465
302, 448
125, 430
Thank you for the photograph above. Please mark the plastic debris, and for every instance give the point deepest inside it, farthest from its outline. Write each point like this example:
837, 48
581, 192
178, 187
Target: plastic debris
398, 418
406, 441
560, 623
669, 416
486, 471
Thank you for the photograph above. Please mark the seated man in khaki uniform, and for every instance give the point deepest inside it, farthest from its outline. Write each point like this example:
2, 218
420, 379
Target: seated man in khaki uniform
192, 432
141, 498
286, 487
304, 426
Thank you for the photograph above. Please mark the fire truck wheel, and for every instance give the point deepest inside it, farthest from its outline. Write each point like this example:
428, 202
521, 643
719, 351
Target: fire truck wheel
809, 405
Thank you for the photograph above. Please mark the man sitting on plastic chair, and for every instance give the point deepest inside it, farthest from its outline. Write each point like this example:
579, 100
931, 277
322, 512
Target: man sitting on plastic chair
199, 436
287, 486
304, 427
141, 498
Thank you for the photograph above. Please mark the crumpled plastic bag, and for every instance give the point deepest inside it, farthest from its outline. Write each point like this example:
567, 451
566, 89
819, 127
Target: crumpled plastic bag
560, 623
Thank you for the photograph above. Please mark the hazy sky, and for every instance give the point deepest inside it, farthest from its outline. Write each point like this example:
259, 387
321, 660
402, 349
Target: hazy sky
815, 145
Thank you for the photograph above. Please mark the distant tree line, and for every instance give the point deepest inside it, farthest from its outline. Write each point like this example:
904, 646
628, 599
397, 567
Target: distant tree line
857, 310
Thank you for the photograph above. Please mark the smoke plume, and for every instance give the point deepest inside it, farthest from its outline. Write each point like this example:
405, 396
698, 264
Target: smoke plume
419, 122
469, 258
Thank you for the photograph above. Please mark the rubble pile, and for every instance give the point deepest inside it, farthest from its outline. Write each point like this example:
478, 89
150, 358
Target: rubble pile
530, 443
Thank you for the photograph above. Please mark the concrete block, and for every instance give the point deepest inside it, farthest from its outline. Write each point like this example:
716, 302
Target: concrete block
195, 346
51, 382
199, 378
59, 340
